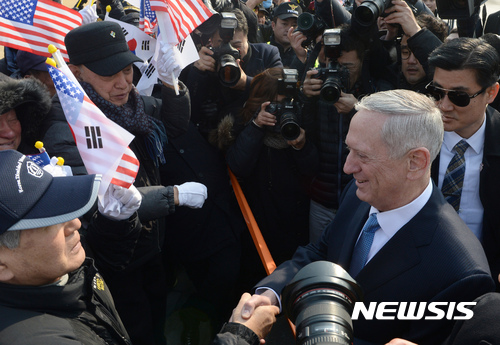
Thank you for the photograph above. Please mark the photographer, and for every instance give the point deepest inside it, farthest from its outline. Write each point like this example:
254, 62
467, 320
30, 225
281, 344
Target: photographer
330, 121
274, 171
417, 37
414, 51
213, 98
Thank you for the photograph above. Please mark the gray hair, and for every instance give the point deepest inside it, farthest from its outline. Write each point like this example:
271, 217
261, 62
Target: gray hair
414, 121
10, 239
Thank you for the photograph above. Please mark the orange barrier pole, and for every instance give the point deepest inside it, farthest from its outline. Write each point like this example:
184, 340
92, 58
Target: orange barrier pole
258, 239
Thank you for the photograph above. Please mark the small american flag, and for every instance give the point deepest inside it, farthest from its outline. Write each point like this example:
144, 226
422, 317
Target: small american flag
103, 145
147, 18
32, 25
184, 15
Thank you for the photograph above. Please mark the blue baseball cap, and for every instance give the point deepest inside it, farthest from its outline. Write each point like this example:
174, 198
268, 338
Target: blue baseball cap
32, 198
26, 61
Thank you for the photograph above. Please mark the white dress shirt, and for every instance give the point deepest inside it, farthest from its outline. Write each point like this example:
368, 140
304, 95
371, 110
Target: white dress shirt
471, 209
391, 221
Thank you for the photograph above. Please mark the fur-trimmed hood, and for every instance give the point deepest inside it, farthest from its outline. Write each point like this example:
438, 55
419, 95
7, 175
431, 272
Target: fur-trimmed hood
31, 101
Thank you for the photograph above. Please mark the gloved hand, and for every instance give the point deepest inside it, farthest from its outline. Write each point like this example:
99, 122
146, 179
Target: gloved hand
169, 63
89, 14
57, 168
192, 194
119, 203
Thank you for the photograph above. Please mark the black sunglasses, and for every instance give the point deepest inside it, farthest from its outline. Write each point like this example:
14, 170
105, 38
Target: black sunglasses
459, 98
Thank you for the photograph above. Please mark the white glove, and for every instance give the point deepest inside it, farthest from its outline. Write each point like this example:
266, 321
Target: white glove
89, 14
119, 203
192, 194
169, 63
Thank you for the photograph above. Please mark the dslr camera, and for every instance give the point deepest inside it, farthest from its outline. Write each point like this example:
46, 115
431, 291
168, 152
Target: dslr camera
226, 55
287, 122
335, 76
319, 301
367, 13
311, 25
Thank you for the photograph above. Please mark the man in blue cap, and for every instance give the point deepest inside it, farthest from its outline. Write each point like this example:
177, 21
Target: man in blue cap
50, 292
32, 65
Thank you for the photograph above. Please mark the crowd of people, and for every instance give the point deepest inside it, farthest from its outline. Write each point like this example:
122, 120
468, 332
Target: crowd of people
374, 146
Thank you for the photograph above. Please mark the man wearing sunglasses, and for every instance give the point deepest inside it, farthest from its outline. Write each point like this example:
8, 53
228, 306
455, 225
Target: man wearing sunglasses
465, 81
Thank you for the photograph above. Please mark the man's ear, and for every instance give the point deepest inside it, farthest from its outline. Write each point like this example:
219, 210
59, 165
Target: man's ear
419, 160
76, 71
492, 92
5, 273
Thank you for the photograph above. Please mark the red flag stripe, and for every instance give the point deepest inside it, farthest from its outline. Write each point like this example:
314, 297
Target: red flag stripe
126, 171
130, 159
121, 183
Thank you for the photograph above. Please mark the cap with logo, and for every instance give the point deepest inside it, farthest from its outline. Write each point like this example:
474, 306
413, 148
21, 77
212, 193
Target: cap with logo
288, 10
99, 46
31, 198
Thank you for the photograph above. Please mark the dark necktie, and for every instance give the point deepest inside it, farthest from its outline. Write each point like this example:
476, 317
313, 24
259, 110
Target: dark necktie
454, 177
362, 248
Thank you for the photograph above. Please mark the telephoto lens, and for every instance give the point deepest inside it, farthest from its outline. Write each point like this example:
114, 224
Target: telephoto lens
319, 301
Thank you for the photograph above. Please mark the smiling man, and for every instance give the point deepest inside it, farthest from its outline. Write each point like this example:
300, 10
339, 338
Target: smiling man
394, 211
465, 81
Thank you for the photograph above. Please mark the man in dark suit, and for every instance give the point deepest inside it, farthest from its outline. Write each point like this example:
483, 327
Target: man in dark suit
420, 250
470, 66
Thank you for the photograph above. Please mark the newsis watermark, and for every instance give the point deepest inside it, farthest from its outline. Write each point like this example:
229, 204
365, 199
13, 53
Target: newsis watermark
413, 310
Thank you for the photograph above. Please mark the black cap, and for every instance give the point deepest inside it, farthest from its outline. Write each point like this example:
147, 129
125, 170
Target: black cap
31, 198
261, 8
99, 46
288, 10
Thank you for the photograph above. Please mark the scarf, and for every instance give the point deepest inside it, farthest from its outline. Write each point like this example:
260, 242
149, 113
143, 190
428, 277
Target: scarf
132, 117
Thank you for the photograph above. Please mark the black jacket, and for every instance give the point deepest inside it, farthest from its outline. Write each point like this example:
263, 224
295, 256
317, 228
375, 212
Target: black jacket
275, 182
80, 312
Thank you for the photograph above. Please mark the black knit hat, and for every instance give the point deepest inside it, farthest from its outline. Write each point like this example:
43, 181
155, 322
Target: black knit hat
99, 46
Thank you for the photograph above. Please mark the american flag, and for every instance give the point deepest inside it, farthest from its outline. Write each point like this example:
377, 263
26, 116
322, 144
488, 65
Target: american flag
103, 145
184, 15
32, 25
147, 18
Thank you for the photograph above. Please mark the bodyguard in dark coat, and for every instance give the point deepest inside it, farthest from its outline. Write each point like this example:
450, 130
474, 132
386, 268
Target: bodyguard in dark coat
471, 65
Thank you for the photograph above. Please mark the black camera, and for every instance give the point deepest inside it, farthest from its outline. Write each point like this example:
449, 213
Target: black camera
226, 55
367, 13
311, 25
319, 301
287, 122
335, 76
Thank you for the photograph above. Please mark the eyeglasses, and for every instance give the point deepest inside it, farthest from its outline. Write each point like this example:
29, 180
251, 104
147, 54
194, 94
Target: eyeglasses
459, 98
405, 52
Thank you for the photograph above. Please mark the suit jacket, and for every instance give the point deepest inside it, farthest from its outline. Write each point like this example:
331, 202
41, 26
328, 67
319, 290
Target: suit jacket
434, 257
489, 190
